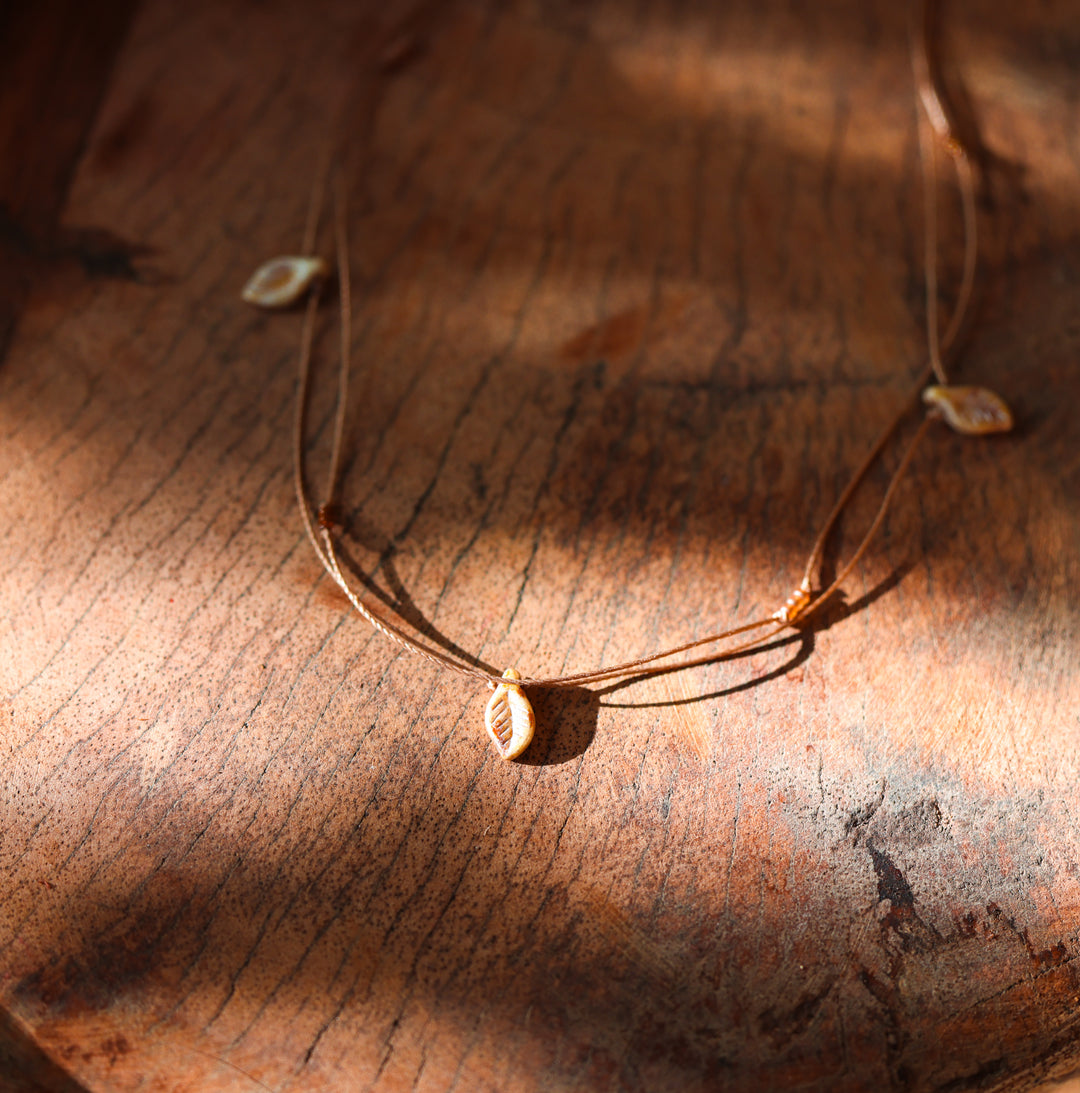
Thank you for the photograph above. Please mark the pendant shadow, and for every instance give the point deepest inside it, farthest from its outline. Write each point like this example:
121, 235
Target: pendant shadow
566, 719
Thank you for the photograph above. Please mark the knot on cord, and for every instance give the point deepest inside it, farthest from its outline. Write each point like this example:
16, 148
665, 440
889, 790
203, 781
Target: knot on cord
795, 604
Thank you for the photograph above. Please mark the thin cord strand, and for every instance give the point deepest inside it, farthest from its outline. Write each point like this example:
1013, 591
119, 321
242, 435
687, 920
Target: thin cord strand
341, 239
845, 497
933, 105
883, 508
928, 162
635, 667
965, 182
302, 384
389, 629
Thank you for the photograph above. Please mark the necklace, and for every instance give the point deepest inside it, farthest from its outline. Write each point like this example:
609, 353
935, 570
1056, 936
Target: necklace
969, 410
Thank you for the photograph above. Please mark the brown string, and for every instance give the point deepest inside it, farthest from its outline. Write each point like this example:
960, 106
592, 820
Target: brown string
800, 605
333, 471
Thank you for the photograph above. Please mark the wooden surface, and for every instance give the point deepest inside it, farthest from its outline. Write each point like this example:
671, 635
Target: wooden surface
636, 286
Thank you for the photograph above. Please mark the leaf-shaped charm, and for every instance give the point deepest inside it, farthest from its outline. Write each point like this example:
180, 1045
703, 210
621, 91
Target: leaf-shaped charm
509, 718
283, 280
973, 411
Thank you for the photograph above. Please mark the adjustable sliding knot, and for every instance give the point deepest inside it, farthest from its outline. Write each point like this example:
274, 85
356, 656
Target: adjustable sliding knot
795, 604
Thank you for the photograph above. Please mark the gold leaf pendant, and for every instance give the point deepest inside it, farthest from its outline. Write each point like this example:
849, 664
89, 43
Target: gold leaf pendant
973, 411
509, 718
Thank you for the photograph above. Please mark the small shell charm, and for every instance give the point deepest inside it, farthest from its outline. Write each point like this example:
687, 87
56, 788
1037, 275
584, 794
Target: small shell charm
509, 718
283, 280
973, 411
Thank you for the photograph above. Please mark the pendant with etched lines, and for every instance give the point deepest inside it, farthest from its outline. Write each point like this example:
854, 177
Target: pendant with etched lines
509, 718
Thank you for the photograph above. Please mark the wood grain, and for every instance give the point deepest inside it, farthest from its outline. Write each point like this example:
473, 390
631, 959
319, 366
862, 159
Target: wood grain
636, 285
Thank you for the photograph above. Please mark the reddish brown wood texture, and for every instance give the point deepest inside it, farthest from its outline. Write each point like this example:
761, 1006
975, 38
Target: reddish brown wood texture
636, 286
